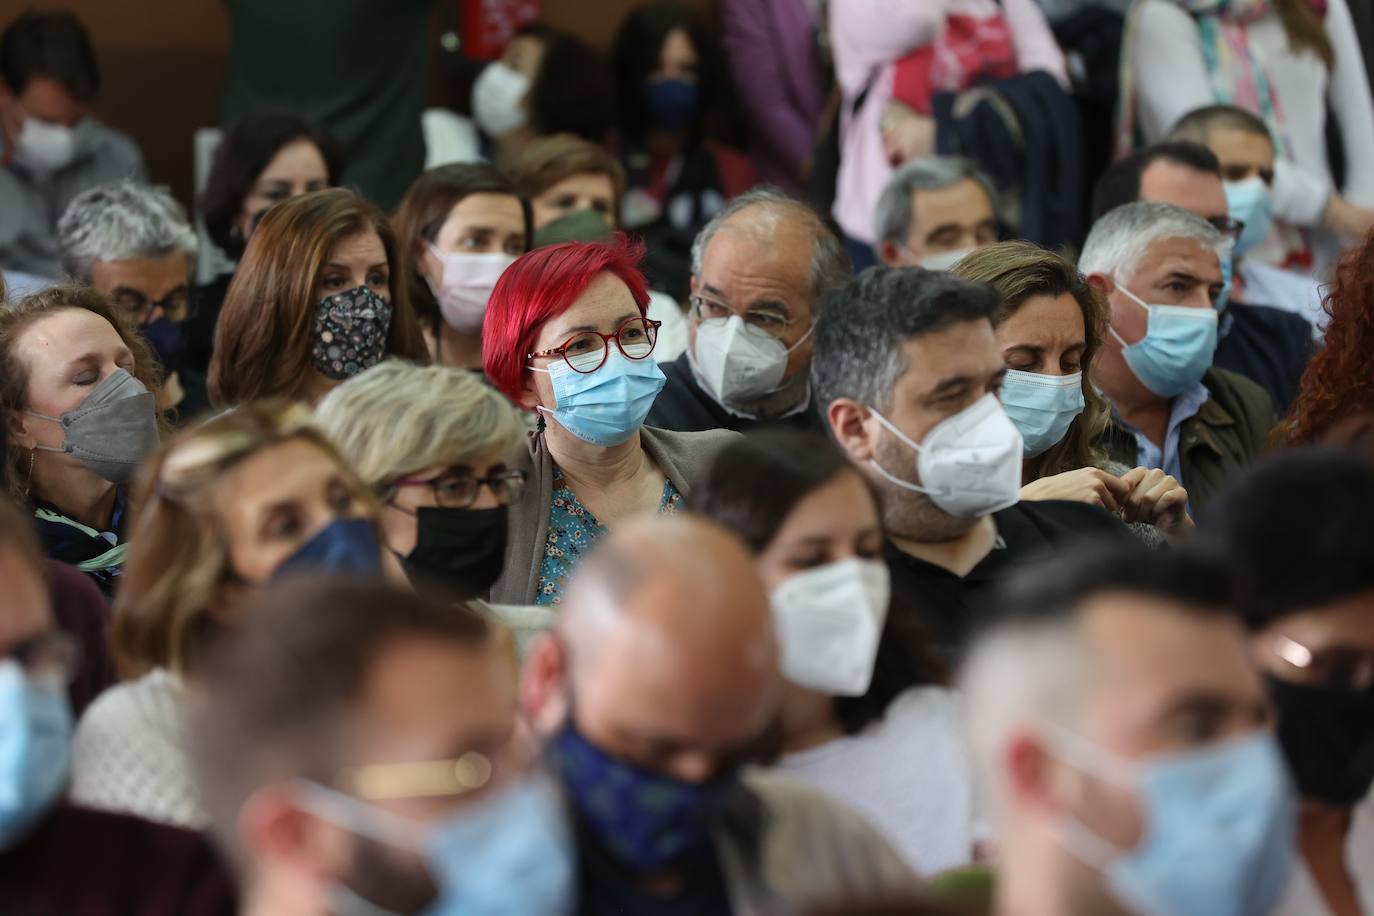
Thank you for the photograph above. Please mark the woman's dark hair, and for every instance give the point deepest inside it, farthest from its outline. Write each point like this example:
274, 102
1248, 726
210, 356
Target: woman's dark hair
572, 93
247, 148
52, 44
751, 487
636, 54
425, 209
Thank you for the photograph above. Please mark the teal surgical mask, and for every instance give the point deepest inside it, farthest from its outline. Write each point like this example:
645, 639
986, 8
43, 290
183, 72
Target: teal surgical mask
608, 406
1042, 407
1248, 201
1219, 821
1177, 348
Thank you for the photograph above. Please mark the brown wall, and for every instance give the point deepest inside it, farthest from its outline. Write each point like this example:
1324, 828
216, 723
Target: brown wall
163, 64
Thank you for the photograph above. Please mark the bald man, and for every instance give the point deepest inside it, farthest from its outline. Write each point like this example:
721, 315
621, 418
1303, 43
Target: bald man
761, 270
659, 685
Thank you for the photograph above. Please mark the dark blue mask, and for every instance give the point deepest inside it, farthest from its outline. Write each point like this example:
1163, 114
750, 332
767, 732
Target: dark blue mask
647, 820
168, 339
672, 104
346, 545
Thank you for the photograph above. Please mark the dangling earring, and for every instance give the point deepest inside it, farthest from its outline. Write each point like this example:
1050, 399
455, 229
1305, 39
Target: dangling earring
28, 481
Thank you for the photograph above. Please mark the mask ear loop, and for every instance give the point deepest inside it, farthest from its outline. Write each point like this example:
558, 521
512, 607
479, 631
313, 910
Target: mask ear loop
1134, 298
883, 472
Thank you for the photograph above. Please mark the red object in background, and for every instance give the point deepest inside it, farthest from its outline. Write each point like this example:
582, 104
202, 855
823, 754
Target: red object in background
487, 26
968, 49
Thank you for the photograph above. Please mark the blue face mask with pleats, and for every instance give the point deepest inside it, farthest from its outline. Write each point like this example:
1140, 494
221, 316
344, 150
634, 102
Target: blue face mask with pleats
346, 545
35, 748
1177, 348
608, 406
1220, 827
1042, 407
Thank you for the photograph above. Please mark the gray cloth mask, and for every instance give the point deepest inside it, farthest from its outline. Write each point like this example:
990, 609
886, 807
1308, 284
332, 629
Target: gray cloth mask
111, 431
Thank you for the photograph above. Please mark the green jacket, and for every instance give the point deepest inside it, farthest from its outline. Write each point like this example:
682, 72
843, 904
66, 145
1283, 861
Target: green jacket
1215, 444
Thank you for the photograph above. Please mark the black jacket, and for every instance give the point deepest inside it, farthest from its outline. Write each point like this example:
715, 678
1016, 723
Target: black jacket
684, 407
1269, 346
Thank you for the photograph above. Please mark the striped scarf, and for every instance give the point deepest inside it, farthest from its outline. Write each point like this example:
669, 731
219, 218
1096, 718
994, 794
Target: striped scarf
1237, 76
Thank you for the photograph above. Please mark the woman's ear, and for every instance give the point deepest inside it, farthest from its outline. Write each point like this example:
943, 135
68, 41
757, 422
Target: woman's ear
18, 430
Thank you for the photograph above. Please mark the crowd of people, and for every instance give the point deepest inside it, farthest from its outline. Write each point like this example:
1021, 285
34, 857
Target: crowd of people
776, 466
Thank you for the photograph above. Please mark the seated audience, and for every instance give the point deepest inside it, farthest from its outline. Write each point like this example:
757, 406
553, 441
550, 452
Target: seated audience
1299, 526
77, 385
459, 227
862, 685
1249, 163
320, 295
51, 147
761, 272
262, 160
436, 446
1270, 346
1124, 744
907, 369
658, 687
357, 748
545, 82
1337, 386
674, 137
133, 243
891, 60
935, 210
1296, 65
56, 859
565, 176
575, 188
566, 338
1160, 268
1050, 327
251, 495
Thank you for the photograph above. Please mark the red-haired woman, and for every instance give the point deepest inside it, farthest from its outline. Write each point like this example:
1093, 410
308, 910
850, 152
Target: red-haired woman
1338, 384
566, 336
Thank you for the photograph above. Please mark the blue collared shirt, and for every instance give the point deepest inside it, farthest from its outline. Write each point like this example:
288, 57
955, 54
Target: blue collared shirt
1150, 455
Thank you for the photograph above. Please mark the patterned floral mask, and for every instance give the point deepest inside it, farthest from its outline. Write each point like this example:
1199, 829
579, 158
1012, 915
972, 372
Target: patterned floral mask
350, 333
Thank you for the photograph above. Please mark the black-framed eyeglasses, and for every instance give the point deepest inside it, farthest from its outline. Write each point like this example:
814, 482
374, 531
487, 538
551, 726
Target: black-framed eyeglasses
1227, 226
458, 488
176, 305
51, 654
586, 351
1348, 668
771, 321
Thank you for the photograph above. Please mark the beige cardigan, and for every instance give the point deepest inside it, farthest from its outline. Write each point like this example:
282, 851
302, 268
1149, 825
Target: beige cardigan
680, 456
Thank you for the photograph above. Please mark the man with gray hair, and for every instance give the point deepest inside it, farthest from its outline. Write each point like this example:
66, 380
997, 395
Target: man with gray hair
935, 210
761, 269
1119, 730
907, 372
132, 242
1159, 267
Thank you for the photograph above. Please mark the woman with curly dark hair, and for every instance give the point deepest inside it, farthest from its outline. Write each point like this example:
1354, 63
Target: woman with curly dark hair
1338, 383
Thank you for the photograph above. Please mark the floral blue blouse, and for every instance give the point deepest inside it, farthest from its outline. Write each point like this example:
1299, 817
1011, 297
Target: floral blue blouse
572, 532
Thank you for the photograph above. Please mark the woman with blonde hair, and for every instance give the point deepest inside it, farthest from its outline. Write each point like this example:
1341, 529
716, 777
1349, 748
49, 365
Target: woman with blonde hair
249, 496
436, 445
76, 388
320, 295
1050, 327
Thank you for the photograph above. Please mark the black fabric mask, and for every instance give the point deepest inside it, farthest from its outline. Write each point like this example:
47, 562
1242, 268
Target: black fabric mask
1328, 737
462, 550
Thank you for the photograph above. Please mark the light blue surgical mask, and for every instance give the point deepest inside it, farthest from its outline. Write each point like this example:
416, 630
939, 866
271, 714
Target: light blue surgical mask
509, 854
1042, 407
608, 406
1248, 201
35, 748
1177, 348
1219, 828
345, 545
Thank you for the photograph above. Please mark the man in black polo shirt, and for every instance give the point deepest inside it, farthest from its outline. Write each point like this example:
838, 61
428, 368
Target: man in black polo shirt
908, 370
760, 270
